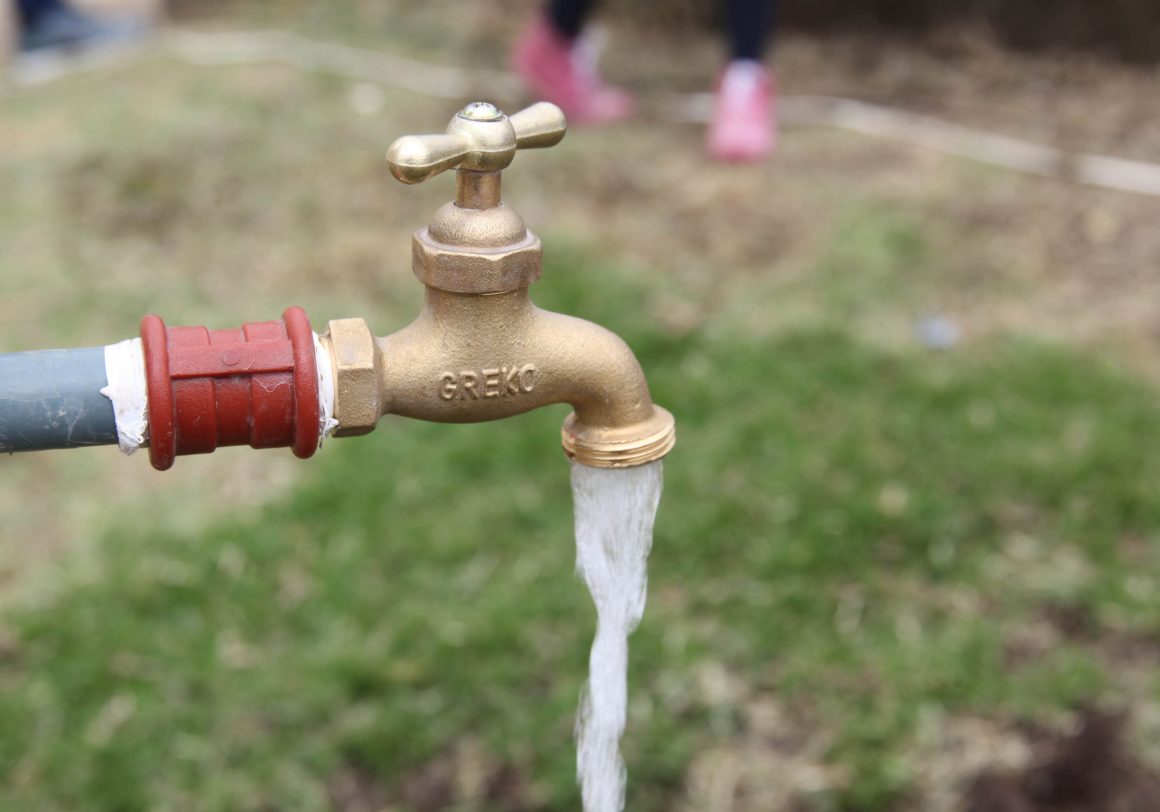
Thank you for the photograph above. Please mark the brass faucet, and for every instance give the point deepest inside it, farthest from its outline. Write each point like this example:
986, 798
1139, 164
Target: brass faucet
480, 350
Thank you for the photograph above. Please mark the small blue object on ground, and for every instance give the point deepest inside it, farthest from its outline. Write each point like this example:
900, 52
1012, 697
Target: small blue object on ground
937, 332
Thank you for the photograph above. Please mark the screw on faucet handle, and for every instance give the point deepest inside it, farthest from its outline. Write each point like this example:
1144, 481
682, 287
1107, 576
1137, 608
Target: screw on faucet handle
480, 138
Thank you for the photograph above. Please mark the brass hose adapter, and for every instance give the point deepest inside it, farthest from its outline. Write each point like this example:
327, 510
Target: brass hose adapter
480, 350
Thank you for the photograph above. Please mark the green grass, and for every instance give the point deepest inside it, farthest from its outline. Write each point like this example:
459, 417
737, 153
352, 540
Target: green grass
875, 538
859, 533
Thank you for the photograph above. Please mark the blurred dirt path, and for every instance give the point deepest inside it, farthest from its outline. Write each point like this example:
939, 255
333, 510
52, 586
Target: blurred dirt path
237, 48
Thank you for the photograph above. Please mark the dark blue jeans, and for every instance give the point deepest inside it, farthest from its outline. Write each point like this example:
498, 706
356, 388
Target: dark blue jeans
749, 23
30, 11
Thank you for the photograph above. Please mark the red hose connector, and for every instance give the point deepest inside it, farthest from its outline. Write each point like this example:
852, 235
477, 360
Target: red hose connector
255, 386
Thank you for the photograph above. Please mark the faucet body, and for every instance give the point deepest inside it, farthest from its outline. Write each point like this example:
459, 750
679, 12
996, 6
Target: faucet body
480, 350
469, 358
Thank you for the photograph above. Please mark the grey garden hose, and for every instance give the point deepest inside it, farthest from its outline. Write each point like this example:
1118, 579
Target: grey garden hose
52, 399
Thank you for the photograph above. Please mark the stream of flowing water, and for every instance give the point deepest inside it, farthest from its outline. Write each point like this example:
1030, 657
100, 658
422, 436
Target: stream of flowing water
615, 509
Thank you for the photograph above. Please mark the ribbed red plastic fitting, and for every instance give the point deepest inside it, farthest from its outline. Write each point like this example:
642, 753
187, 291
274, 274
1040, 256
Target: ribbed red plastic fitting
256, 386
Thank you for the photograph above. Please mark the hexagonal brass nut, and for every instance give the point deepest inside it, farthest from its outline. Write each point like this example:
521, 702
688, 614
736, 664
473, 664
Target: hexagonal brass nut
355, 357
483, 270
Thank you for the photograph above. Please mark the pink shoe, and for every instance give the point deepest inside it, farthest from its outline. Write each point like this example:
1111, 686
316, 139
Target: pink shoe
744, 126
561, 71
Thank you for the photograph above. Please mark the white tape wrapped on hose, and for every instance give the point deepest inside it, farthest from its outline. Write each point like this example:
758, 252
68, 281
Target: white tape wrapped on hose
326, 421
125, 373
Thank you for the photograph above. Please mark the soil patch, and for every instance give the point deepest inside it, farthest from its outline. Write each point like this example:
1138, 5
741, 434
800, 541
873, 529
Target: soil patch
1089, 770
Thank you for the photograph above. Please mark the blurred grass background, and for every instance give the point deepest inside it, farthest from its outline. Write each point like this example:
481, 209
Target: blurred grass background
878, 567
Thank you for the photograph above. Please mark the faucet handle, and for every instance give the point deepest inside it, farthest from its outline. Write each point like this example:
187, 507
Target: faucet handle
479, 138
539, 126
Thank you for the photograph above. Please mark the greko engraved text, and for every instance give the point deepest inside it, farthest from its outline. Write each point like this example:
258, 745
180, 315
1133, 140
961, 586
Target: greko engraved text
497, 382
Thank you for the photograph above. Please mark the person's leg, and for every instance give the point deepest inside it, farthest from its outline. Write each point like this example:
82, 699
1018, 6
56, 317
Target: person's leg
51, 25
744, 119
551, 59
569, 16
30, 11
749, 25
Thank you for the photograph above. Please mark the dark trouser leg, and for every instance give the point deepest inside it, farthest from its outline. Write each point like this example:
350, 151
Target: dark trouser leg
569, 16
30, 11
749, 27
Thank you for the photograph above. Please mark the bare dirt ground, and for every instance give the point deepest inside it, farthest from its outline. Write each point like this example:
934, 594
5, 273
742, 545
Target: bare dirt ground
1014, 255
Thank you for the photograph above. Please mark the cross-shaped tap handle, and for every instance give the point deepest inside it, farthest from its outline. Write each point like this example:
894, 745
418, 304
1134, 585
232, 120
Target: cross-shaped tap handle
479, 138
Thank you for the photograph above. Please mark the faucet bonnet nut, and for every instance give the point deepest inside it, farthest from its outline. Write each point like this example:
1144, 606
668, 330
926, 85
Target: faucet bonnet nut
255, 386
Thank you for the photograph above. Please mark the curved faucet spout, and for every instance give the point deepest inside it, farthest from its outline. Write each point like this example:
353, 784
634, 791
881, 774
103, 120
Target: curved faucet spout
470, 358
